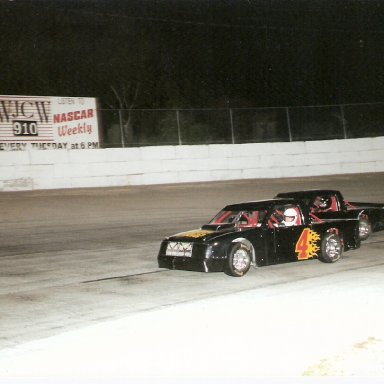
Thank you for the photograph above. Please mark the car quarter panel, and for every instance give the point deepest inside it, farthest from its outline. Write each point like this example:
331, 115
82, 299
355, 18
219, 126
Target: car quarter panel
348, 230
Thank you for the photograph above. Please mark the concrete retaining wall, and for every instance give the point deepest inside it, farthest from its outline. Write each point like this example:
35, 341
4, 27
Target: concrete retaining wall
48, 169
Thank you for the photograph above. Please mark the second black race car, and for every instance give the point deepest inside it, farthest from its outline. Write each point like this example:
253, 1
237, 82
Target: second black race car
259, 233
329, 204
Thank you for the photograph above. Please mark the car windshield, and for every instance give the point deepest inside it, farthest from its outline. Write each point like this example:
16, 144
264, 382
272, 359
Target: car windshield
247, 218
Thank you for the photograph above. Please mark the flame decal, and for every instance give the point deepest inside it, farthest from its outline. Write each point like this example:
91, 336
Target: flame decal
195, 234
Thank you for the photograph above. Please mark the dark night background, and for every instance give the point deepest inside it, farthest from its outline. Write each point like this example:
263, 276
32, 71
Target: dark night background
195, 53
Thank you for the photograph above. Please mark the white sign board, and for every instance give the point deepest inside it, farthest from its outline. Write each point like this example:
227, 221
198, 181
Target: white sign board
40, 122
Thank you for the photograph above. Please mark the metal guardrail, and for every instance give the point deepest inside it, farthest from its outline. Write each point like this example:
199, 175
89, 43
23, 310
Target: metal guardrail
148, 127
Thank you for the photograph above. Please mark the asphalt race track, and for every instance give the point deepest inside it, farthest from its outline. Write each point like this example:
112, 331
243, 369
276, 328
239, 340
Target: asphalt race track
74, 259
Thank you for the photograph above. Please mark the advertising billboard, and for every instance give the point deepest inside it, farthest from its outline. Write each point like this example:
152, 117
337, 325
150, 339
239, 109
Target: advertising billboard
43, 122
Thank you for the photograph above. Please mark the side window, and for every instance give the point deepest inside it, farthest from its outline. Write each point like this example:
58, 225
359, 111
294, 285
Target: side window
285, 216
292, 216
251, 218
324, 203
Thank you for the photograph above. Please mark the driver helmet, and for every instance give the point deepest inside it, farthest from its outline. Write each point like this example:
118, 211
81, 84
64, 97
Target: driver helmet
290, 216
325, 202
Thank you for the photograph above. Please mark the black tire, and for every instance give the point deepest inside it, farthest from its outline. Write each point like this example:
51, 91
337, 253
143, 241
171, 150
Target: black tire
238, 260
365, 229
331, 248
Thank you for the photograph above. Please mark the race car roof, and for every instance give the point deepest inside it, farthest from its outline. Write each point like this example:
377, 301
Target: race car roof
260, 204
308, 193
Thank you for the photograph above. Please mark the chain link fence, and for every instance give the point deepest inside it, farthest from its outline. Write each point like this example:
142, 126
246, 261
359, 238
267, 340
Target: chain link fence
137, 127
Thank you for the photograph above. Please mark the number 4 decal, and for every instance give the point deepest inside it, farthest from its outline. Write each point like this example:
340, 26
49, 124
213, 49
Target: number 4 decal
306, 247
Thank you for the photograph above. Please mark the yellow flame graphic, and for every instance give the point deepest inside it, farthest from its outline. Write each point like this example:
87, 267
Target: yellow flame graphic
313, 238
195, 234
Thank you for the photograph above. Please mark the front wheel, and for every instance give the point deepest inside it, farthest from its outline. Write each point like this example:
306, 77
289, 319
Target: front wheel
238, 260
331, 248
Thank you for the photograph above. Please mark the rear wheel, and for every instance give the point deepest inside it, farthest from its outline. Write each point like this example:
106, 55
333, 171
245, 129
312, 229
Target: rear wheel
238, 260
331, 248
365, 228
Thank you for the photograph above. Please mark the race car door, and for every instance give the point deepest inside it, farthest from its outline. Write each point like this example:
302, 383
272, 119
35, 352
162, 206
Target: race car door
288, 228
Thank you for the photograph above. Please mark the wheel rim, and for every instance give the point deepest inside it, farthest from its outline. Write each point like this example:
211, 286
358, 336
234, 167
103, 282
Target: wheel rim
363, 229
332, 248
240, 260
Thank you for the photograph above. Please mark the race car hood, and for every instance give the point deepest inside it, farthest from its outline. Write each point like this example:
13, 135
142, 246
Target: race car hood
206, 233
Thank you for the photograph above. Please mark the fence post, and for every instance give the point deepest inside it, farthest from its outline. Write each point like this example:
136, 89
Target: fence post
121, 129
288, 123
232, 130
178, 126
343, 121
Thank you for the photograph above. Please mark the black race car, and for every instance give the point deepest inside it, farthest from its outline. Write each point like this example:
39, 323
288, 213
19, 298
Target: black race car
259, 233
330, 204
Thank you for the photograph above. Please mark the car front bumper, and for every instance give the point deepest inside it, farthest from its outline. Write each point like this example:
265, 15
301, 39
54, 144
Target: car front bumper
191, 264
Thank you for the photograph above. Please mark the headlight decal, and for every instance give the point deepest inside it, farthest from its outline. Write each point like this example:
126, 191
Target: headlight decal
180, 249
